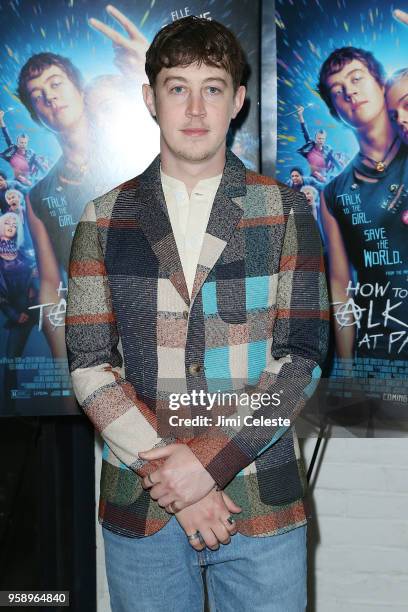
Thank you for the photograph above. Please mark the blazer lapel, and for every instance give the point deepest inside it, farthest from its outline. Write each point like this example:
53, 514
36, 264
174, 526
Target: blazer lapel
152, 216
225, 214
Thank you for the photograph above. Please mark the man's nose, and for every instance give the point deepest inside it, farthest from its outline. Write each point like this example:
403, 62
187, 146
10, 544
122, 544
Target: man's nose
402, 118
350, 91
50, 95
196, 105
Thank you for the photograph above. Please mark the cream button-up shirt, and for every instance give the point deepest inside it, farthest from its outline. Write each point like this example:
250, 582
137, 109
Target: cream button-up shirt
189, 218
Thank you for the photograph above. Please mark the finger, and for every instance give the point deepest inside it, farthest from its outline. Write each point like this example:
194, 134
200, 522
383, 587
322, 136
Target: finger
231, 505
221, 532
229, 524
130, 27
159, 492
156, 453
402, 16
149, 481
197, 543
209, 538
167, 499
112, 34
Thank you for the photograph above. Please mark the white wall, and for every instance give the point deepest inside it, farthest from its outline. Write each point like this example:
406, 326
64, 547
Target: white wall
359, 535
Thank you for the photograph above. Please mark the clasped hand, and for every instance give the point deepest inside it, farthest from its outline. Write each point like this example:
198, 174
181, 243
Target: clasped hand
181, 481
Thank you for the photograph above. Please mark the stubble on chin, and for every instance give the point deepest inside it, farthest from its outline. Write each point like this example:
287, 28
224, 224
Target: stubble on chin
194, 156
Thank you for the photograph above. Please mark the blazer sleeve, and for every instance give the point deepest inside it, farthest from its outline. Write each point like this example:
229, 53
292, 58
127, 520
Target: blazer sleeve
94, 354
300, 339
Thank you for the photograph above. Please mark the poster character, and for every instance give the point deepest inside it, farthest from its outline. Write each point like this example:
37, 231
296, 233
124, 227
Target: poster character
363, 211
311, 195
52, 89
319, 154
396, 97
18, 291
116, 129
298, 180
5, 185
15, 203
24, 162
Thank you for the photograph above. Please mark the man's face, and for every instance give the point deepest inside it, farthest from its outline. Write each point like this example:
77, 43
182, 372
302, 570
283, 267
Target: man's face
13, 201
320, 138
22, 142
3, 183
356, 95
193, 106
296, 177
57, 101
397, 105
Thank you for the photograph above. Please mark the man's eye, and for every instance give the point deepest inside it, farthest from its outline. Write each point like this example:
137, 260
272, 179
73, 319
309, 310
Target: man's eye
55, 84
213, 90
393, 115
178, 89
337, 92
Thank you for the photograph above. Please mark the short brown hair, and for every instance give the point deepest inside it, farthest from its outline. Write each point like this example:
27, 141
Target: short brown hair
35, 66
194, 39
336, 62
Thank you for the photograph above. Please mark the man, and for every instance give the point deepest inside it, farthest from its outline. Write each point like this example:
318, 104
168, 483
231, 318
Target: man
298, 180
318, 153
193, 267
364, 212
52, 90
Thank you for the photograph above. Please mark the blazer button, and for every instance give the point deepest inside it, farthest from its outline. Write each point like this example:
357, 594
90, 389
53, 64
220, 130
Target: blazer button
194, 368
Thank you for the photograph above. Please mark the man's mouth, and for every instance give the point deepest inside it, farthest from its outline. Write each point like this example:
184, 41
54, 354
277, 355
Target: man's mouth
357, 105
58, 109
195, 131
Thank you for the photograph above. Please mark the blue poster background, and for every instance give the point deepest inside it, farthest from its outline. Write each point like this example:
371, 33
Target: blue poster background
307, 32
33, 377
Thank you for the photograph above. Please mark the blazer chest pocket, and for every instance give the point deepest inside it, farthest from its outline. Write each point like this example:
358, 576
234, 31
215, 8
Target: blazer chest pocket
231, 292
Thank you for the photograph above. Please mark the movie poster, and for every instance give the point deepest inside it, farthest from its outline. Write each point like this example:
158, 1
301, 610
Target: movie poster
72, 126
342, 141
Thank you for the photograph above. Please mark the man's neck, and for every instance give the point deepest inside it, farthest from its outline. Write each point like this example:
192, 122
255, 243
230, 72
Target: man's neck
190, 173
74, 143
376, 138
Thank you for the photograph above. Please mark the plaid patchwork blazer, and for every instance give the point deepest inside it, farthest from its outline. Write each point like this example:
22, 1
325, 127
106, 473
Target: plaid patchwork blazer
257, 319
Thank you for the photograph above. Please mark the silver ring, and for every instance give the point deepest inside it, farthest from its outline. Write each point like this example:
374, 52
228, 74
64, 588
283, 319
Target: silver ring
230, 520
193, 536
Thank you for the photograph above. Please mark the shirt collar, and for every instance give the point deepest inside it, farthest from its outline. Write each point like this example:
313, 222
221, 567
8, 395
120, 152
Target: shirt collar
206, 186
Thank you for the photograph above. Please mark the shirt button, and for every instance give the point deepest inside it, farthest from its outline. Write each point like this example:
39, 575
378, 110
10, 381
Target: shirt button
194, 368
185, 314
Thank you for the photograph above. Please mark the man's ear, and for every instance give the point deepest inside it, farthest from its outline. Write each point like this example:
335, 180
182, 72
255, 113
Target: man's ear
239, 98
149, 99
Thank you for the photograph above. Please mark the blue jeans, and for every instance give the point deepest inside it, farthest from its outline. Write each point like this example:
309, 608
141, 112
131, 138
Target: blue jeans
163, 573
